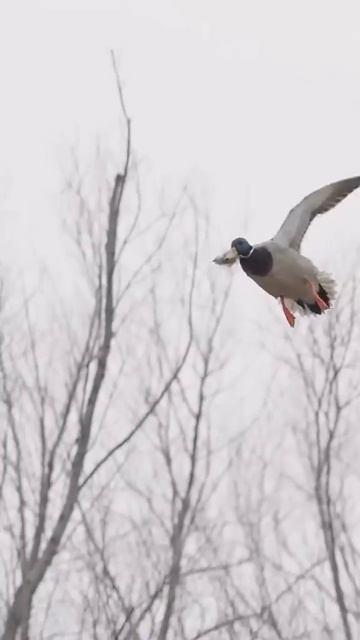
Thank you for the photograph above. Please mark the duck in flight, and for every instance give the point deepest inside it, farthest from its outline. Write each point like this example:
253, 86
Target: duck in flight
277, 265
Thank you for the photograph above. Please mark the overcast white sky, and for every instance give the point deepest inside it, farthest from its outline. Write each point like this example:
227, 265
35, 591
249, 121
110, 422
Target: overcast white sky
255, 102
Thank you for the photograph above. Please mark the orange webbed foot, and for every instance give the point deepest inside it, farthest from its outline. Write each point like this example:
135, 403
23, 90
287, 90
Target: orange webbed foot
319, 301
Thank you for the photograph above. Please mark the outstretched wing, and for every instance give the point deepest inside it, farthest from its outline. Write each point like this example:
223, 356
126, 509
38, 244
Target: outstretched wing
300, 217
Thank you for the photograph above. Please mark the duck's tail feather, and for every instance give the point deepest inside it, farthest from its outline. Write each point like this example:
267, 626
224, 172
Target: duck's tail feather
326, 291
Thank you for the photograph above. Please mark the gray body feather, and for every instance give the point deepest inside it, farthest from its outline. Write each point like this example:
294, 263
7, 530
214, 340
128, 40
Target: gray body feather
277, 265
289, 275
291, 271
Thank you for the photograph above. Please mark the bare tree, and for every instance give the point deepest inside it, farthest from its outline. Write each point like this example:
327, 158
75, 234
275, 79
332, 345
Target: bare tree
329, 375
54, 416
167, 535
297, 521
135, 501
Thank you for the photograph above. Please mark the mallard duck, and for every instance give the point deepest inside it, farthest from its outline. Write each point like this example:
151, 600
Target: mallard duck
277, 265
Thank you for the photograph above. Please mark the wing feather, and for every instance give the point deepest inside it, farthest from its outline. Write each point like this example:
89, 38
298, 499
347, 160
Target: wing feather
300, 217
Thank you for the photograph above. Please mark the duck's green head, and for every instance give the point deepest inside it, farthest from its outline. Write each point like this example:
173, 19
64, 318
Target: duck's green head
240, 248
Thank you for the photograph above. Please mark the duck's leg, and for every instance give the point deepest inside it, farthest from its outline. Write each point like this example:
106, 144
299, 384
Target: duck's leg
287, 313
319, 301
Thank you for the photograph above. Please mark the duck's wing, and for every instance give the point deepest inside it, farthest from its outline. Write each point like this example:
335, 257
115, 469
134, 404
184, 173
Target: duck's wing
300, 217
